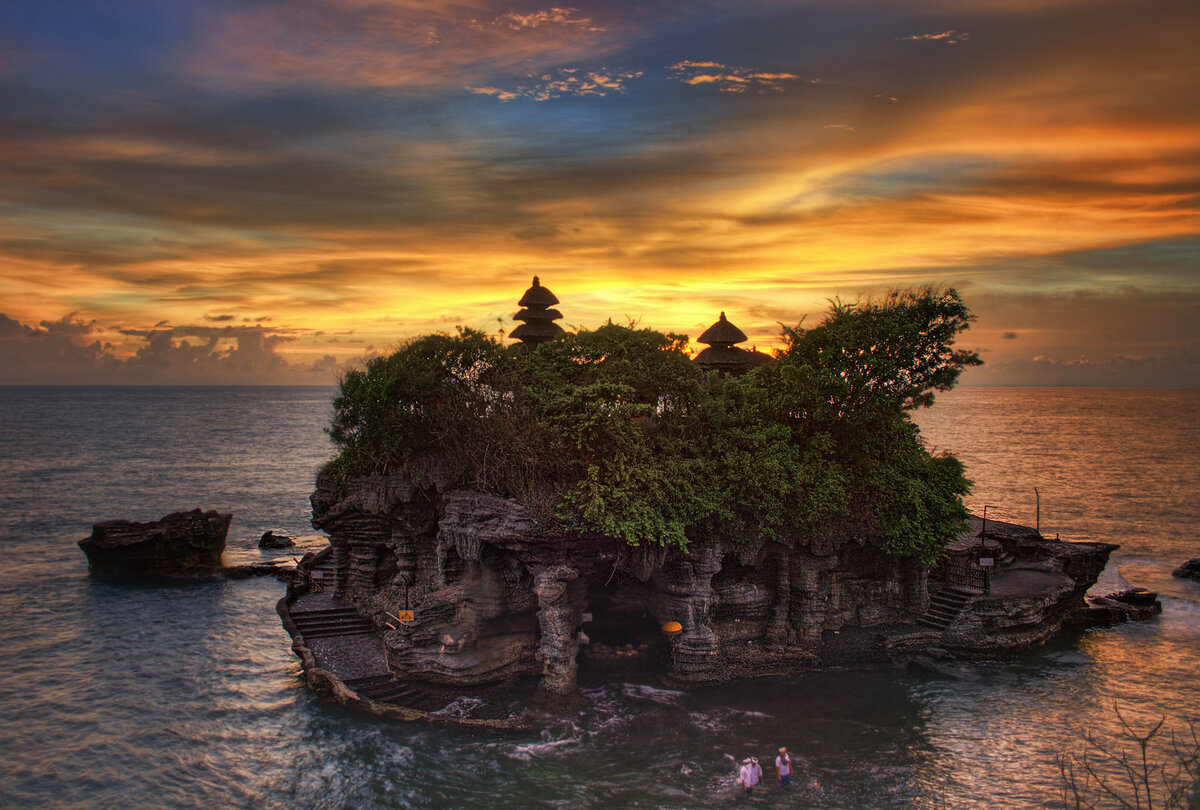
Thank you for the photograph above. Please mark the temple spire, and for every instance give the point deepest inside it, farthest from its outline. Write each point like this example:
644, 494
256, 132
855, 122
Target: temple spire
723, 353
539, 319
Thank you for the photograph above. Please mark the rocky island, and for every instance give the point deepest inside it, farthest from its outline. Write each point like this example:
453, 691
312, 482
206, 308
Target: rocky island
599, 504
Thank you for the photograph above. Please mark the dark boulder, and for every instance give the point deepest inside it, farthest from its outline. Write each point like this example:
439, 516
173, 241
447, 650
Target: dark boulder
272, 540
1189, 570
182, 544
278, 568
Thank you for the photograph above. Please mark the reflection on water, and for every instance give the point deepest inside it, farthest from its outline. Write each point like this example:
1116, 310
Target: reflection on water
118, 694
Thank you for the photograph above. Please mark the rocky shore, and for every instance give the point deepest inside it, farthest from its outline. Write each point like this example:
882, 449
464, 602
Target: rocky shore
461, 592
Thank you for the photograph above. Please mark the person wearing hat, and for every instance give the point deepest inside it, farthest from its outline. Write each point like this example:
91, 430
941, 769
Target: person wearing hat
750, 774
783, 766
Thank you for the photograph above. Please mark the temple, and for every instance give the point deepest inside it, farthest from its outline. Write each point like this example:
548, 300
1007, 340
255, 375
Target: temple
723, 353
537, 316
447, 590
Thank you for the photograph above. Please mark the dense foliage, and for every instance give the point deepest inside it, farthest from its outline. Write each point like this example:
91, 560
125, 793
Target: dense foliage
615, 431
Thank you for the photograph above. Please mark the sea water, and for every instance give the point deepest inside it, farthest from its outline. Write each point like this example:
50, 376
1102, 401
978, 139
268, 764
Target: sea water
187, 696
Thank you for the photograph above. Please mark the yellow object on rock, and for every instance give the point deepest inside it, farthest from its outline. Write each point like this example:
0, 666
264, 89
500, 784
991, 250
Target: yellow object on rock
671, 628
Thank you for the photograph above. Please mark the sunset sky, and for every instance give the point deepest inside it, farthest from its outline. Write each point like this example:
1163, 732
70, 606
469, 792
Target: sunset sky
264, 190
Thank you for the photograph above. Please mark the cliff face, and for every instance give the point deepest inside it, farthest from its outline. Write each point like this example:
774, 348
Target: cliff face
493, 601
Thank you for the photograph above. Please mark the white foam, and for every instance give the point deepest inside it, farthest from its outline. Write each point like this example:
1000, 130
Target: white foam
647, 692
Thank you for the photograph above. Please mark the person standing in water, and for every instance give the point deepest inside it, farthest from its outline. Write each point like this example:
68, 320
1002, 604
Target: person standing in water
783, 766
749, 775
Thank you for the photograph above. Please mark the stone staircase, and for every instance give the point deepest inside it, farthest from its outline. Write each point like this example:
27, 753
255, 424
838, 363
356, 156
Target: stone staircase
328, 622
386, 688
944, 607
322, 572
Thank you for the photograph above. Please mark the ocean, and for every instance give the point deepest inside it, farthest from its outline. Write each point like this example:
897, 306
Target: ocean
117, 695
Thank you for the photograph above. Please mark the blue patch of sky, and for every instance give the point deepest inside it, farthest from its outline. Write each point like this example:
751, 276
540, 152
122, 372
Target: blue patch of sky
95, 41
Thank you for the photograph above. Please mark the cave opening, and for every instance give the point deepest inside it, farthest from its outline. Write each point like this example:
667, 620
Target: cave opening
623, 635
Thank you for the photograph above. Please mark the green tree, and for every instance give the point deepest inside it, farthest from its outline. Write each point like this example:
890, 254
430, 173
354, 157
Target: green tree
615, 432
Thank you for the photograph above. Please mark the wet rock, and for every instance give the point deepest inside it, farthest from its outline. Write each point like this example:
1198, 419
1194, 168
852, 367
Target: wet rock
1189, 570
272, 540
1132, 605
277, 568
181, 544
492, 600
489, 600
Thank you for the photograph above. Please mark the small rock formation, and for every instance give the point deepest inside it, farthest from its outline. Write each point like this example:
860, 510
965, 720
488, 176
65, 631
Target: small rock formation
1189, 570
280, 569
181, 544
272, 540
1132, 605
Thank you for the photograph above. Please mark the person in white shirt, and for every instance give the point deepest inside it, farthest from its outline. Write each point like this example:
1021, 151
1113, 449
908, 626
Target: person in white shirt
750, 774
783, 766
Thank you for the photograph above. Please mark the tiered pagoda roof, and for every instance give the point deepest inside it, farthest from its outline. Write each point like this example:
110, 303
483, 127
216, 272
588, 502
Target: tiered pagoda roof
539, 319
723, 354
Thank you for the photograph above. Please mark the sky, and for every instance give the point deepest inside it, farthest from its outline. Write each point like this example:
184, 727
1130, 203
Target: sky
268, 191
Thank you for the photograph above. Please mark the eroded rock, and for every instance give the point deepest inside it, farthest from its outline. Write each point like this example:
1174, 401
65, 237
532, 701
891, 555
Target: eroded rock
181, 544
271, 539
1189, 570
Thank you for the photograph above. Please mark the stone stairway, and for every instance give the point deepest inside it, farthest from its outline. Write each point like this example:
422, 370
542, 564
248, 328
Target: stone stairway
944, 607
328, 622
322, 572
386, 688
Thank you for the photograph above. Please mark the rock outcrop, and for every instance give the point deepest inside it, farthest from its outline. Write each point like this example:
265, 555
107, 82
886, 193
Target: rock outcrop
1189, 570
492, 600
463, 590
1036, 587
181, 544
272, 540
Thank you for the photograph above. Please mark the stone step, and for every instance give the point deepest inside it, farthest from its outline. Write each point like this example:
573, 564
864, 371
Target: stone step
330, 621
340, 632
944, 607
942, 613
339, 611
317, 627
389, 689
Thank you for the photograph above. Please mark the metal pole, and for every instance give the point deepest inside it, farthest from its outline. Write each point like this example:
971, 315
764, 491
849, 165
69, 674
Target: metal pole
1039, 509
983, 533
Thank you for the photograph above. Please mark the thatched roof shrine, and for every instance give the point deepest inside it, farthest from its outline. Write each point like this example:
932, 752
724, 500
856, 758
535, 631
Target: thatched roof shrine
539, 319
722, 354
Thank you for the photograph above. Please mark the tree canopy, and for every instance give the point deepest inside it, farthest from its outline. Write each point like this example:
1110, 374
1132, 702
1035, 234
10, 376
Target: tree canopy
614, 431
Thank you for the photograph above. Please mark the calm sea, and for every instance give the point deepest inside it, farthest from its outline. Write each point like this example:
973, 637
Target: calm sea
188, 696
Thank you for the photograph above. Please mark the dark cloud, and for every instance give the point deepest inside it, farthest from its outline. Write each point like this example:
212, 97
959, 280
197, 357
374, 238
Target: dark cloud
65, 351
1176, 370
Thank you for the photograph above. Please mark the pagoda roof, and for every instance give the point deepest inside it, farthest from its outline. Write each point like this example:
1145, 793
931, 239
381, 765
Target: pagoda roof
537, 331
722, 333
529, 315
537, 296
731, 358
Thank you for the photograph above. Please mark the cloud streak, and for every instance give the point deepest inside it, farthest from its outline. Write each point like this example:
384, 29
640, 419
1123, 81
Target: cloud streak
345, 170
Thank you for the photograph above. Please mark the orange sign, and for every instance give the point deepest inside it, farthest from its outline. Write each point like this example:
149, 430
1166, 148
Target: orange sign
405, 616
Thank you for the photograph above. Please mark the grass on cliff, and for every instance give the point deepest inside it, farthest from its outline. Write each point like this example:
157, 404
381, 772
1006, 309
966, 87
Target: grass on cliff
615, 431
